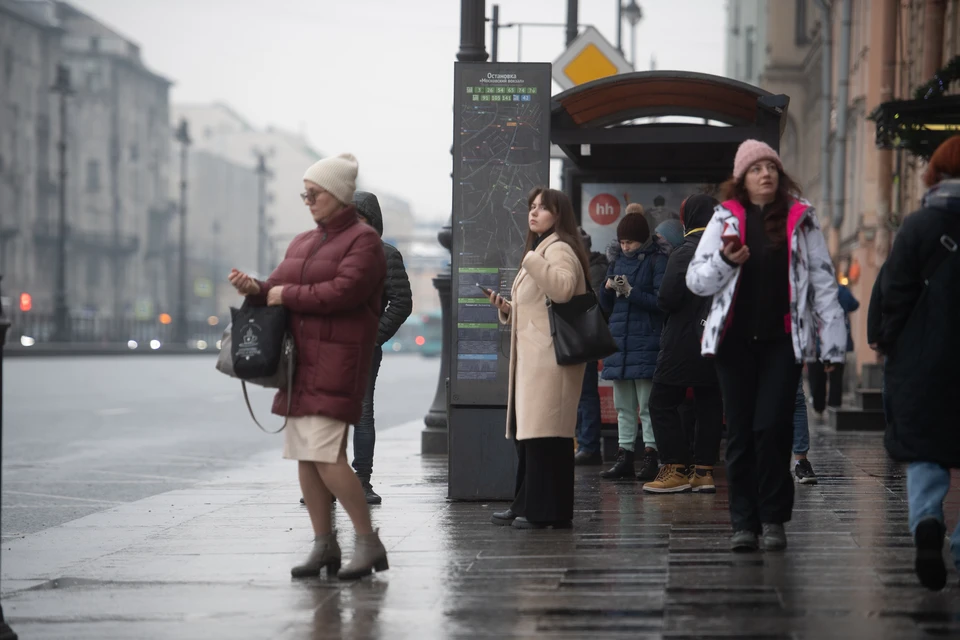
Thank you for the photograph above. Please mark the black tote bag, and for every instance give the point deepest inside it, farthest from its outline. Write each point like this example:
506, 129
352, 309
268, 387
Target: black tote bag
580, 330
257, 345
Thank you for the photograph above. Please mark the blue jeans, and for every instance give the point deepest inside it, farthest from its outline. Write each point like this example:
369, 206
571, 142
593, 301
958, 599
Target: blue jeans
365, 433
588, 411
801, 425
927, 486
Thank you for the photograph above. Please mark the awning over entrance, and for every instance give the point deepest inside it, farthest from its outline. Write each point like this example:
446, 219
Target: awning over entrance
919, 126
599, 114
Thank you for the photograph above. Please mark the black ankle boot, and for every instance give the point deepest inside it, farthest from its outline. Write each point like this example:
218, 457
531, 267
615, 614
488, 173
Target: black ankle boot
623, 467
649, 465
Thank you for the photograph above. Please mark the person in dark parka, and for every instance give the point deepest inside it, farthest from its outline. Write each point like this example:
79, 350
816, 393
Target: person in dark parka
397, 306
630, 297
680, 366
913, 318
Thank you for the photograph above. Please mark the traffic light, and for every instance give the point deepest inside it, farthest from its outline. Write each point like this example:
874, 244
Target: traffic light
26, 302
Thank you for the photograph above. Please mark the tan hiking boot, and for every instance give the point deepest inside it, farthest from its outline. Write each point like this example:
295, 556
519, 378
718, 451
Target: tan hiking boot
701, 480
672, 478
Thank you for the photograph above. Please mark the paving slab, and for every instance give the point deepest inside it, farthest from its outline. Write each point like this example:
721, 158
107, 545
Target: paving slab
212, 561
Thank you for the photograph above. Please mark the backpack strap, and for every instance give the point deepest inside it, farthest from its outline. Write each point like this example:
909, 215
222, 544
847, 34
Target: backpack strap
948, 245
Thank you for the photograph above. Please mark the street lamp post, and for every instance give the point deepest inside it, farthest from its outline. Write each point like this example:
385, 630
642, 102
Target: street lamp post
215, 278
633, 15
263, 173
6, 633
61, 313
433, 438
180, 332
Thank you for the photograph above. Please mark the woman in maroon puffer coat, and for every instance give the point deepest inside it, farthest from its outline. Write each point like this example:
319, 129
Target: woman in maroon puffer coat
331, 281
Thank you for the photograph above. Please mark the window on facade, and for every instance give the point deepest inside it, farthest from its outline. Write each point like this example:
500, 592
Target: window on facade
93, 176
134, 152
7, 64
751, 46
800, 23
94, 274
157, 223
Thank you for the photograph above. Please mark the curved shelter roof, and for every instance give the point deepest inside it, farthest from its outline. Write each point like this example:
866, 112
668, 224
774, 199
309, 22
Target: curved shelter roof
593, 114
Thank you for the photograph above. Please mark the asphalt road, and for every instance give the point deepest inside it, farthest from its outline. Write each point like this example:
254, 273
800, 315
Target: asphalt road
84, 434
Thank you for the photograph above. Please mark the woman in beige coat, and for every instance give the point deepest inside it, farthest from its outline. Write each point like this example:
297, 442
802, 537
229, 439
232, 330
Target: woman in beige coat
543, 397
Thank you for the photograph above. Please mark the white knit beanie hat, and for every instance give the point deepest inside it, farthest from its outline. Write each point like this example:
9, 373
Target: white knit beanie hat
337, 174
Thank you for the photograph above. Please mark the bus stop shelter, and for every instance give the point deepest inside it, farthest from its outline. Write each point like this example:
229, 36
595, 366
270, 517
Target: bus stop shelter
611, 131
625, 144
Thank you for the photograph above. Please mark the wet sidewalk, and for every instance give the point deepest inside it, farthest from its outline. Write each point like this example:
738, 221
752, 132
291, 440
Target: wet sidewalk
213, 562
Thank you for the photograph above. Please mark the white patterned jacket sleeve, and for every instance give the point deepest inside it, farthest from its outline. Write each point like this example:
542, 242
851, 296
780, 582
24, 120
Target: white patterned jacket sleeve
708, 272
823, 291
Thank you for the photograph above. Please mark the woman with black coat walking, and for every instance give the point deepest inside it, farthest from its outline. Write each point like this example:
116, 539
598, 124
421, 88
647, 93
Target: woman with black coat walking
680, 366
913, 318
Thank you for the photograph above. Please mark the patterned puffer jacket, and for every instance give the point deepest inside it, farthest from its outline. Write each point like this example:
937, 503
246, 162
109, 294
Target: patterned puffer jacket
813, 283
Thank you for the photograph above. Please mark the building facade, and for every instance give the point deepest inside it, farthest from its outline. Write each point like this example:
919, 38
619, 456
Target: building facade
29, 52
746, 40
218, 129
838, 62
117, 157
221, 234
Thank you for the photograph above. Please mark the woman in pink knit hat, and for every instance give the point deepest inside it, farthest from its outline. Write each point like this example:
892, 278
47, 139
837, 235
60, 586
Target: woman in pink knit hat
764, 260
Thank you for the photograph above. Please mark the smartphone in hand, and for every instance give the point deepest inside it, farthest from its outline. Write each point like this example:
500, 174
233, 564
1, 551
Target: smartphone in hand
732, 241
486, 291
730, 237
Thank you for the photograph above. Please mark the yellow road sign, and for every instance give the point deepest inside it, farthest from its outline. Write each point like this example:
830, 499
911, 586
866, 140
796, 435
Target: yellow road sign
589, 57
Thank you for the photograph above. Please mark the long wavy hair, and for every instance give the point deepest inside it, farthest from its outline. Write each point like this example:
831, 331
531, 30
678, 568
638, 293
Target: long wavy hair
565, 227
775, 215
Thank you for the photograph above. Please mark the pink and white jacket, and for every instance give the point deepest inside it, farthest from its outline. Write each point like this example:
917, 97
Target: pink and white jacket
814, 306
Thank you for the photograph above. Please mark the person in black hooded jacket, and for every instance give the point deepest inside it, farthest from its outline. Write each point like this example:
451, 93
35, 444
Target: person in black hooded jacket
680, 366
397, 306
914, 314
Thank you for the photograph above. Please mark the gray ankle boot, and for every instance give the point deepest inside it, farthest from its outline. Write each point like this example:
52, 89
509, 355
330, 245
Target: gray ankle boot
369, 555
325, 553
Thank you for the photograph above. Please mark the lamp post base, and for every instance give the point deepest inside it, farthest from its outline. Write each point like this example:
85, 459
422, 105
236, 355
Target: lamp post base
434, 438
433, 441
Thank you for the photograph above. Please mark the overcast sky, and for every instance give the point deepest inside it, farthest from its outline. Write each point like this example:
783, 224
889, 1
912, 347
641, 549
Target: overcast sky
375, 77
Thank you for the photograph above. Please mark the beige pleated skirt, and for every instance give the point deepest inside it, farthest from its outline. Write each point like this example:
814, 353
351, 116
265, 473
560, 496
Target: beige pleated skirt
314, 438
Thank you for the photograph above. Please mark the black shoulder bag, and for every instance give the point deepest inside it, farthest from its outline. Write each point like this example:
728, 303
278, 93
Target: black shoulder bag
580, 330
258, 348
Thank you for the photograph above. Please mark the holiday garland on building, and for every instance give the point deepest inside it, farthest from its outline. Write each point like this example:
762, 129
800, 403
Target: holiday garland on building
941, 81
920, 125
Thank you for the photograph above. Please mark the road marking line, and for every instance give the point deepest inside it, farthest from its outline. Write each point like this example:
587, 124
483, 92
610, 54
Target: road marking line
114, 412
136, 475
50, 495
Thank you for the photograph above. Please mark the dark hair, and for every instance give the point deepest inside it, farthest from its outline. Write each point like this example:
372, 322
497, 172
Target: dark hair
659, 201
775, 217
565, 228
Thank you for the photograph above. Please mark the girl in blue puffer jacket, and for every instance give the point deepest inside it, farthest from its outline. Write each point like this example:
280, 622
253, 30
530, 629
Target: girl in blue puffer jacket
630, 297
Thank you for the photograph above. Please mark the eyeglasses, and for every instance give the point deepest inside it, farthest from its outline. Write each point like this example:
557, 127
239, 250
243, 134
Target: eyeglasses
309, 197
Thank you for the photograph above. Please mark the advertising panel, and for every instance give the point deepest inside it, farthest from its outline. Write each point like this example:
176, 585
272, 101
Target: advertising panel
605, 203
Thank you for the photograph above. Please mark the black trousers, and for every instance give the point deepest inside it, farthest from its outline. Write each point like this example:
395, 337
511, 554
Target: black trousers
759, 385
544, 490
672, 441
818, 386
